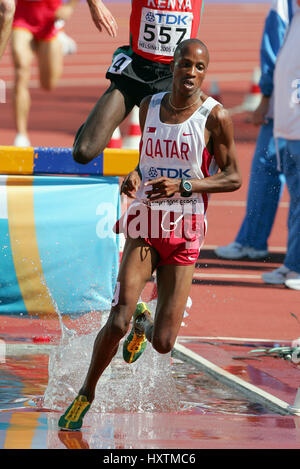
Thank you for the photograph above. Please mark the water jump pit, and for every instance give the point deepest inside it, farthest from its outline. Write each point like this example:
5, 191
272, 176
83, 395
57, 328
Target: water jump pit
160, 401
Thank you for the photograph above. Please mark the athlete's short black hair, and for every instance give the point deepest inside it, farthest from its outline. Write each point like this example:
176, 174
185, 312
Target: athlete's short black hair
186, 42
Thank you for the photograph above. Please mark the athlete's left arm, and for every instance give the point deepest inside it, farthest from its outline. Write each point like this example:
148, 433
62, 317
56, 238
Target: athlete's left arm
228, 179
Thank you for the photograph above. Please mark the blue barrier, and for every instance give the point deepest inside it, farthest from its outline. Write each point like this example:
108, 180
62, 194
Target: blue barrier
58, 250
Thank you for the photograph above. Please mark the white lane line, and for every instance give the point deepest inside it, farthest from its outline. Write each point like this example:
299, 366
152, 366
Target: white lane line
272, 249
238, 203
253, 392
234, 339
231, 276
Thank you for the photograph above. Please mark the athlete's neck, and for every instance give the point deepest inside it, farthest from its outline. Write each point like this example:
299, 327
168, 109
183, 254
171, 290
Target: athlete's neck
183, 108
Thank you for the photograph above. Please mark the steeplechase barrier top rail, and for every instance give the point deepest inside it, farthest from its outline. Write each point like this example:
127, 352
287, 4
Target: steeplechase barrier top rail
55, 160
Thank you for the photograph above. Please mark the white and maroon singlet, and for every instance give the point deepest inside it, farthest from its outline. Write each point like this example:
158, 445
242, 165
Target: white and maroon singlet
158, 26
175, 226
176, 151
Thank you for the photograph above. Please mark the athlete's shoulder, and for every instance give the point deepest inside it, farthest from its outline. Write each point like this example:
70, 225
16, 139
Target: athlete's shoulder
152, 100
219, 120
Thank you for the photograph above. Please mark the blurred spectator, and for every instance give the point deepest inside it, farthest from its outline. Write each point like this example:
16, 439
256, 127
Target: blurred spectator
287, 127
266, 180
37, 30
7, 10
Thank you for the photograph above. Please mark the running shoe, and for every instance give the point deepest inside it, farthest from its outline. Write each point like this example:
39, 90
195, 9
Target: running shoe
136, 341
238, 251
293, 280
277, 276
68, 44
72, 418
21, 140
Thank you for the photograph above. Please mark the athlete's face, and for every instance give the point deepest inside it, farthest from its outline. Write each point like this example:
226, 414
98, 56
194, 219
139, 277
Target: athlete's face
189, 68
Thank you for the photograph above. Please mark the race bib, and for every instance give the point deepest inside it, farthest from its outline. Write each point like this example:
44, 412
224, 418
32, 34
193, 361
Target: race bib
119, 63
161, 32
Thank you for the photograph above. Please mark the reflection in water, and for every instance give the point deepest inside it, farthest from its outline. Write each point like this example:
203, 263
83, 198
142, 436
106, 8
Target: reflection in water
22, 378
73, 440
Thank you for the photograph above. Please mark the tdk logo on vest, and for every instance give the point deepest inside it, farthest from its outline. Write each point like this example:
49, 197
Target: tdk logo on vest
168, 172
170, 4
171, 19
150, 17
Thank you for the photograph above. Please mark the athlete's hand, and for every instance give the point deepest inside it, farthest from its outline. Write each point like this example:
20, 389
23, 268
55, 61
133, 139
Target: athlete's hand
102, 17
131, 184
162, 187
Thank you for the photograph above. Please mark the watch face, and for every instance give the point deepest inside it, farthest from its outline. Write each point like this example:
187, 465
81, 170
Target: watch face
187, 186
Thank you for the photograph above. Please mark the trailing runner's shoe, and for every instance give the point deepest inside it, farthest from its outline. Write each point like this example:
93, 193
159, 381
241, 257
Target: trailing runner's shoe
72, 418
136, 341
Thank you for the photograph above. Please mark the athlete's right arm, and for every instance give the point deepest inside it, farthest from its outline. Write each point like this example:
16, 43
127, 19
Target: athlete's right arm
102, 17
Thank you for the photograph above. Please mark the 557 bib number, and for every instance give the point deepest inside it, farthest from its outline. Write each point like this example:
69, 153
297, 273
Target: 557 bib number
160, 31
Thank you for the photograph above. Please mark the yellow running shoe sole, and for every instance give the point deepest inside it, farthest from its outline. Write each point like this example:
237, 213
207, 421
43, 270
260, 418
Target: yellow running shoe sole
72, 419
135, 343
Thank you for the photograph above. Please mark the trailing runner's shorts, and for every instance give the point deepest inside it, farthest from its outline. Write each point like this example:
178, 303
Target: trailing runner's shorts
36, 18
138, 77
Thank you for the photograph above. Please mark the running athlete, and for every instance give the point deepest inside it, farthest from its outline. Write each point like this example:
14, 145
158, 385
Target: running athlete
137, 70
35, 32
188, 143
7, 10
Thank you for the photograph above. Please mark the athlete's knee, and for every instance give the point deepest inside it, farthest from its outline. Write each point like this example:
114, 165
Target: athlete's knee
81, 153
22, 73
85, 151
163, 344
118, 323
7, 10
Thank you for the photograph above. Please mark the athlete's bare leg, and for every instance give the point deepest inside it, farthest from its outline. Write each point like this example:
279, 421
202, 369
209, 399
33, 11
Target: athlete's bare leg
7, 11
108, 113
23, 53
50, 61
138, 262
173, 287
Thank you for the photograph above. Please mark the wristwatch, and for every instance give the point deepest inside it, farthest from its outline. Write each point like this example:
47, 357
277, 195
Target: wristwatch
185, 188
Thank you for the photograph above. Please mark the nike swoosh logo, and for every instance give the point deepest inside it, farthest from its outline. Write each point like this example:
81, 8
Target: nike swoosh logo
192, 258
185, 135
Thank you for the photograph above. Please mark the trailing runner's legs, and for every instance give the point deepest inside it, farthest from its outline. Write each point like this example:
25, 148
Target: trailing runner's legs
94, 135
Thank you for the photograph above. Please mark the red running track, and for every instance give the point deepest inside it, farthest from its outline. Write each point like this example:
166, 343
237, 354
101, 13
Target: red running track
229, 298
239, 306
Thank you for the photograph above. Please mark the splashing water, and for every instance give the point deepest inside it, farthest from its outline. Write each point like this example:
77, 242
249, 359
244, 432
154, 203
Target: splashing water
144, 386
